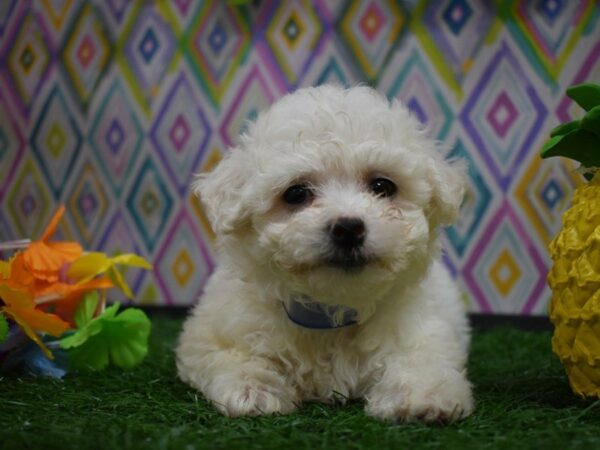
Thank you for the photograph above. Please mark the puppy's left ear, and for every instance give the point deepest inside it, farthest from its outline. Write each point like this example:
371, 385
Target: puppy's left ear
448, 182
222, 191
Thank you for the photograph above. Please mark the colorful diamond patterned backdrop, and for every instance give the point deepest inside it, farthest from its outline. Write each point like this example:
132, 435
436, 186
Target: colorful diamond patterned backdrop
111, 106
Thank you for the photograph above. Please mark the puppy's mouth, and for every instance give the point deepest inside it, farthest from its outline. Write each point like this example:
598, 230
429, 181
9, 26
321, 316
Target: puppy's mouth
351, 262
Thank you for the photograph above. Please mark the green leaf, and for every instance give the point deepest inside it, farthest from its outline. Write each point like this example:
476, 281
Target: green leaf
580, 145
3, 328
86, 308
551, 146
92, 355
121, 339
91, 328
81, 335
591, 121
586, 95
111, 311
565, 128
131, 329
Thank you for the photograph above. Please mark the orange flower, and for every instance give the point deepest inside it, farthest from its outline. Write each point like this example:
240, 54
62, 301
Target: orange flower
4, 270
63, 299
61, 290
20, 306
44, 259
19, 277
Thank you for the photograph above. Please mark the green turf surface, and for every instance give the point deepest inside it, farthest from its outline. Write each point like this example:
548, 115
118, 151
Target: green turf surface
523, 401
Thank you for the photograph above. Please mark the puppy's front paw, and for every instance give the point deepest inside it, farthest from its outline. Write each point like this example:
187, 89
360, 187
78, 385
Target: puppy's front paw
253, 400
414, 400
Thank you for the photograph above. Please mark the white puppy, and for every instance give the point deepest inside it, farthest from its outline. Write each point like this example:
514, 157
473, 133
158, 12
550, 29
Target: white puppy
328, 286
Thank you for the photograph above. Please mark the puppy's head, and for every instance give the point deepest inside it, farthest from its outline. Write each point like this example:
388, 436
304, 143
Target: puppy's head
333, 193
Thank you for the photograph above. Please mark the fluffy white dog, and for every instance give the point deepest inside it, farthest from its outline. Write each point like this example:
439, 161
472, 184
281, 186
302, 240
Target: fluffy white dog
328, 286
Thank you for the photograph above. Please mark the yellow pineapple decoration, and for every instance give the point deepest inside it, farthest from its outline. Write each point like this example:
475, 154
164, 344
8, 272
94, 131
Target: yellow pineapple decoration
575, 275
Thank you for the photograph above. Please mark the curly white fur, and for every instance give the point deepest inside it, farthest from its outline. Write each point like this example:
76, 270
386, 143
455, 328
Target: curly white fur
406, 357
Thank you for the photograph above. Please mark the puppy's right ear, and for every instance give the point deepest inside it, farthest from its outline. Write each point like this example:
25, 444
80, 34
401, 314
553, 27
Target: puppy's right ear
448, 186
221, 192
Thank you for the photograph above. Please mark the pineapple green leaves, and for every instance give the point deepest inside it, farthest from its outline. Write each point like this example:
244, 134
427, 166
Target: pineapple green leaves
579, 139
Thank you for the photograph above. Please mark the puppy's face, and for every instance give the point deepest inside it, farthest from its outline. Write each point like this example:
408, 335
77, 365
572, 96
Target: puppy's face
333, 194
344, 221
341, 225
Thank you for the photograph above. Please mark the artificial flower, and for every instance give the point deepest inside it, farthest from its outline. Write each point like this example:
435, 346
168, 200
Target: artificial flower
63, 299
18, 277
40, 294
93, 264
120, 338
58, 291
44, 259
20, 306
4, 270
33, 360
3, 328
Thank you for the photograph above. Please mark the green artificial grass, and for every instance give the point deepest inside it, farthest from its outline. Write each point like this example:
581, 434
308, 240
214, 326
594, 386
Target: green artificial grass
523, 401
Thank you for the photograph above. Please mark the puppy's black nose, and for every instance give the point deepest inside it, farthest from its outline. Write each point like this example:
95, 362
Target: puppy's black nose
348, 232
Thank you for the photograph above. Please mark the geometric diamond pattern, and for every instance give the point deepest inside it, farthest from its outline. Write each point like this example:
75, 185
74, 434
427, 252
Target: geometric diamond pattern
149, 203
567, 109
28, 61
118, 15
112, 106
11, 146
331, 10
544, 193
548, 30
116, 9
452, 33
116, 136
149, 47
56, 15
148, 293
217, 42
417, 89
370, 29
182, 269
180, 133
5, 234
456, 15
56, 140
7, 8
28, 203
292, 35
88, 203
86, 53
329, 66
255, 96
475, 204
503, 116
505, 272
183, 11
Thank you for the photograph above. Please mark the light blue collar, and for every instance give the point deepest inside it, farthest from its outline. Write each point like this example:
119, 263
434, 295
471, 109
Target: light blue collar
309, 313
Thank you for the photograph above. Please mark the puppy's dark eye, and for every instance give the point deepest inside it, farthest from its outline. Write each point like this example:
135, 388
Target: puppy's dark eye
382, 187
297, 194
